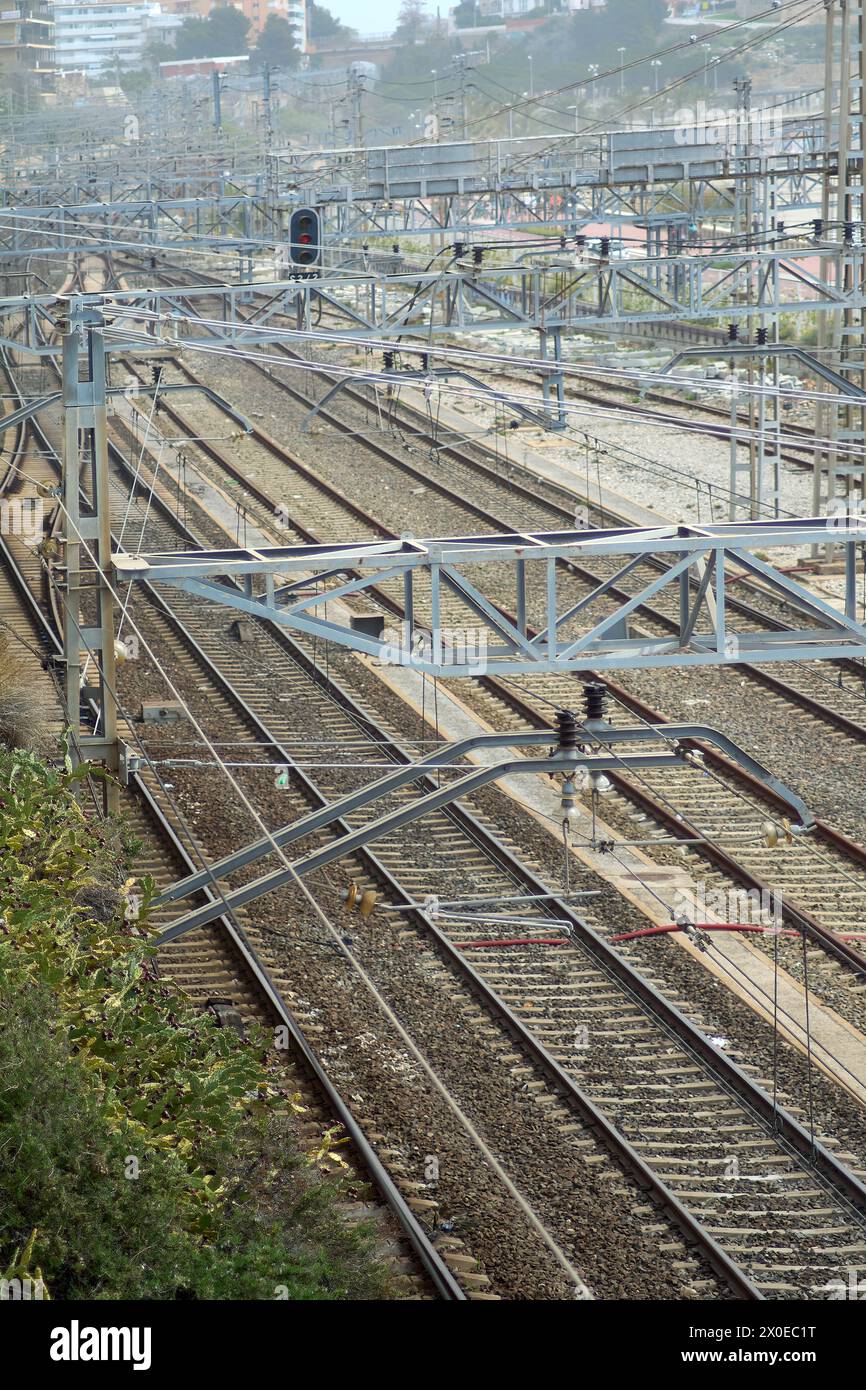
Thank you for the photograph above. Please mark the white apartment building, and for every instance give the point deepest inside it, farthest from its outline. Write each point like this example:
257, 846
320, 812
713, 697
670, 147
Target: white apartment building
514, 9
259, 11
90, 35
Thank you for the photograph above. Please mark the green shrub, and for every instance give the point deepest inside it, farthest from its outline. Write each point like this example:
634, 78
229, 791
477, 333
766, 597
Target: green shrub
144, 1152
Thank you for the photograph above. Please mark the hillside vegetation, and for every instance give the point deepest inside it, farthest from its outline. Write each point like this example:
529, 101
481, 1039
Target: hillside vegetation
144, 1151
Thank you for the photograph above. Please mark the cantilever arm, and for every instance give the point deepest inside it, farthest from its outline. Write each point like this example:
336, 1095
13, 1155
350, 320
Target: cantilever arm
565, 759
666, 734
707, 734
395, 820
317, 820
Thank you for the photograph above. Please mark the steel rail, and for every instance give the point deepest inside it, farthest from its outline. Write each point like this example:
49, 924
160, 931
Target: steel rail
798, 917
434, 1266
794, 1136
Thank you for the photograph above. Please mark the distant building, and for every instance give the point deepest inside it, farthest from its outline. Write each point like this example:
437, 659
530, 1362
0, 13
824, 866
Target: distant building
93, 35
187, 8
514, 9
27, 41
258, 12
705, 9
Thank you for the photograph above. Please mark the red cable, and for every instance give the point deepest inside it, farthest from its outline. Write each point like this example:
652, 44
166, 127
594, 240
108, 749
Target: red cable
703, 926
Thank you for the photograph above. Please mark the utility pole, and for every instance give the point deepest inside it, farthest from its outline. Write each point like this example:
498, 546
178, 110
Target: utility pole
266, 107
356, 110
217, 103
460, 72
88, 634
840, 476
762, 328
742, 228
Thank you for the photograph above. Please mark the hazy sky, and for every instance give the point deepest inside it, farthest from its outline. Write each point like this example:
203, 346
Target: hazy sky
367, 16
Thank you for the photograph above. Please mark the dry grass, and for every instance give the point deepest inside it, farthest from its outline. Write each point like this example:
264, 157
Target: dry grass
25, 714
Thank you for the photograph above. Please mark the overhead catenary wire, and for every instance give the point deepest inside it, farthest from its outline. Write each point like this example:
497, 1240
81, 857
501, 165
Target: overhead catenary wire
578, 410
811, 7
340, 943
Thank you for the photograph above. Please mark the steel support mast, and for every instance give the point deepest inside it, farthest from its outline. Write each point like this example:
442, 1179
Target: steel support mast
86, 590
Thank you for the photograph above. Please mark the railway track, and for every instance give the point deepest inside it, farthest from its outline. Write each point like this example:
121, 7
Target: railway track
204, 964
560, 994
823, 896
497, 491
696, 1076
499, 500
217, 967
679, 413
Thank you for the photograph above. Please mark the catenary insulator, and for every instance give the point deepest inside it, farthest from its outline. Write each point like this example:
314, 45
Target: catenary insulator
594, 696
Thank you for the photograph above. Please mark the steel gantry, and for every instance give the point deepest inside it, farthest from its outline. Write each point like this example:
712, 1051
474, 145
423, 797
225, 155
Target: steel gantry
764, 467
839, 472
592, 634
550, 294
651, 178
292, 585
604, 749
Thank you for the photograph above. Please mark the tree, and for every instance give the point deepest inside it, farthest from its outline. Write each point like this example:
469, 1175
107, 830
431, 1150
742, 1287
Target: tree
412, 20
157, 51
466, 14
222, 35
324, 25
134, 81
229, 30
277, 44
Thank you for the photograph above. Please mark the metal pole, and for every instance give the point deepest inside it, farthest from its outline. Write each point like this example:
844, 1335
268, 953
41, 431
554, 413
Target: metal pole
266, 105
85, 419
823, 412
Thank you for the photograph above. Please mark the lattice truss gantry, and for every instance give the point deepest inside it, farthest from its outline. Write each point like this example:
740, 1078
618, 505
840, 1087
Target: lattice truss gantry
294, 585
586, 290
665, 177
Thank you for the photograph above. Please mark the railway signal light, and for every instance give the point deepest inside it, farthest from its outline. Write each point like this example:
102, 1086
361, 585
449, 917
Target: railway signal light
305, 239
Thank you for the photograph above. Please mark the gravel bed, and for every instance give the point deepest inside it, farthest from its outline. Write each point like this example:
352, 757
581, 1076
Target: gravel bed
832, 761
716, 1011
716, 1028
825, 771
588, 1208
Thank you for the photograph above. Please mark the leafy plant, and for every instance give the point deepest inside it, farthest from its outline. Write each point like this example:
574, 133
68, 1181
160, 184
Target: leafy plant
144, 1152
